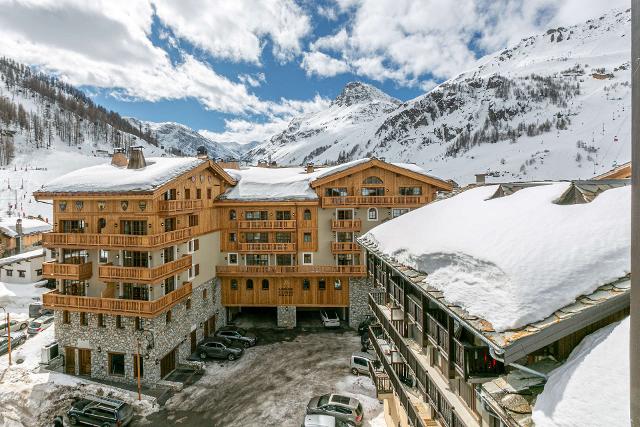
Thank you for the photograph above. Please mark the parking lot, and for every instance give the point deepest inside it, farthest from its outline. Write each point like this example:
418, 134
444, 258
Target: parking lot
272, 383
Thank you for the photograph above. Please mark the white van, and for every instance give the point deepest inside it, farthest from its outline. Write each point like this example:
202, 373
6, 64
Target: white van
359, 363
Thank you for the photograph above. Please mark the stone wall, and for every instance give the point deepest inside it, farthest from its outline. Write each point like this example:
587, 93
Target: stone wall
286, 316
359, 288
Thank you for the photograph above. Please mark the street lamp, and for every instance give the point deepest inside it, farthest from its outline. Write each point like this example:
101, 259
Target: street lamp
148, 347
6, 313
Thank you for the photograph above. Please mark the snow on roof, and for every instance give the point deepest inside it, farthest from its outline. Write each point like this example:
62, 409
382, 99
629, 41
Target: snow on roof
592, 387
29, 226
513, 260
24, 256
107, 178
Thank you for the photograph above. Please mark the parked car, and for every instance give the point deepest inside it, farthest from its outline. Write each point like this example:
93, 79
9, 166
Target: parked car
317, 420
16, 325
17, 338
345, 408
237, 336
330, 319
218, 348
100, 411
363, 327
40, 324
36, 310
359, 363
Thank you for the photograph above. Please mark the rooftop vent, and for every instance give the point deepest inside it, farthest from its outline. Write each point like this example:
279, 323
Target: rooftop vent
136, 158
119, 158
481, 178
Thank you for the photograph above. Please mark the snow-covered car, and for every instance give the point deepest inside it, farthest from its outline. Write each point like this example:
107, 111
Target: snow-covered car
40, 324
330, 319
17, 338
318, 420
237, 335
16, 325
345, 408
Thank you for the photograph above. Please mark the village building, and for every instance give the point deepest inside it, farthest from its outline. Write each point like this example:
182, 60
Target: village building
21, 234
153, 255
479, 297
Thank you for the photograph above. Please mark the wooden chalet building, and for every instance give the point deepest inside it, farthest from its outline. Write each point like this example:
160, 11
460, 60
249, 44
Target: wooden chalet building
443, 364
155, 254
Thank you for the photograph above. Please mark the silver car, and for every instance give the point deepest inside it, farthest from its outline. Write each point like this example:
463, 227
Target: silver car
359, 363
40, 324
342, 407
17, 338
16, 325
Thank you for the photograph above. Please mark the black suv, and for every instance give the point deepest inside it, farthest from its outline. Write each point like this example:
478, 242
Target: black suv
100, 411
238, 335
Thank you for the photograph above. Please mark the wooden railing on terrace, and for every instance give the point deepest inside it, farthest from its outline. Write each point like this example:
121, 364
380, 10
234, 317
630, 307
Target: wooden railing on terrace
266, 247
55, 300
328, 202
112, 273
56, 270
290, 270
346, 224
437, 333
267, 225
168, 206
88, 240
342, 247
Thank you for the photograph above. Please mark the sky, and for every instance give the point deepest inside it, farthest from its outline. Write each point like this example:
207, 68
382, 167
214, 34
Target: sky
239, 70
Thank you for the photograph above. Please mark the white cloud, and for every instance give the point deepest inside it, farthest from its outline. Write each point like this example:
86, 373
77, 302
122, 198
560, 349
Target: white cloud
322, 64
328, 12
253, 80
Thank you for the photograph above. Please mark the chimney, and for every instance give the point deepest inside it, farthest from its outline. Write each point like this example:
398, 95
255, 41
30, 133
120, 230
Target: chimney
118, 158
481, 178
19, 235
310, 167
228, 164
201, 153
136, 158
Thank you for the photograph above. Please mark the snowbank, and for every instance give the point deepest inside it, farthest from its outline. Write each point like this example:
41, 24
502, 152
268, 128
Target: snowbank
16, 297
109, 178
516, 259
592, 387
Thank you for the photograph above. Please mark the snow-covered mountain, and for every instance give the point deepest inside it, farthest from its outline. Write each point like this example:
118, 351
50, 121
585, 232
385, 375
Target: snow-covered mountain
556, 105
179, 139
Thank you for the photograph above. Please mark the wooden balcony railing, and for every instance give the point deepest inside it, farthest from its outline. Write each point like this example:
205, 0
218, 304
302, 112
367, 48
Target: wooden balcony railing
266, 247
57, 301
169, 206
56, 270
267, 225
437, 334
342, 247
95, 240
328, 202
346, 224
307, 223
110, 273
290, 270
474, 361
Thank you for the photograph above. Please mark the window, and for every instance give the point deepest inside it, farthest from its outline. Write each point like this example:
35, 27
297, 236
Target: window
257, 259
284, 259
209, 193
72, 226
66, 318
372, 191
104, 256
322, 284
204, 294
256, 237
169, 284
411, 191
196, 244
249, 284
336, 192
187, 193
83, 319
337, 285
9, 273
73, 287
39, 272
234, 285
138, 324
135, 291
135, 259
101, 320
193, 220
116, 364
282, 237
196, 270
374, 180
283, 215
170, 194
167, 317
21, 273
344, 214
137, 228
169, 224
256, 215
233, 259
198, 193
307, 215
265, 284
345, 259
232, 215
396, 212
306, 237
307, 258
344, 236
119, 321
233, 237
372, 214
306, 284
188, 304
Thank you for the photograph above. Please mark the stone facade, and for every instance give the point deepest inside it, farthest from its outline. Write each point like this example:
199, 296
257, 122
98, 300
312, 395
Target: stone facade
359, 288
162, 337
286, 316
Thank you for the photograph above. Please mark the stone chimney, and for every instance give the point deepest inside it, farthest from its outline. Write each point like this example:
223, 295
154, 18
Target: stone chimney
136, 158
19, 235
310, 167
201, 153
481, 178
119, 158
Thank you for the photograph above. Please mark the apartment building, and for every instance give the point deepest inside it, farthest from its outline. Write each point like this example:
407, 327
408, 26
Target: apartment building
150, 256
473, 314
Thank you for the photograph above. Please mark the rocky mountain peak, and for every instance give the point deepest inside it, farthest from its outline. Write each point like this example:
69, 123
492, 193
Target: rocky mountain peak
359, 93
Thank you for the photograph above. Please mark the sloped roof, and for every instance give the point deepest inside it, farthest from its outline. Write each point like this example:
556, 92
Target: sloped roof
29, 226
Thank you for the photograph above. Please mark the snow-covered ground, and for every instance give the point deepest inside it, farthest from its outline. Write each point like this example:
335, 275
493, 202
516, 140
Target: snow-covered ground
16, 297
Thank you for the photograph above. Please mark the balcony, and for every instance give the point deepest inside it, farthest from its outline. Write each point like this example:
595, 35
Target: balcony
57, 301
290, 270
409, 201
344, 247
56, 270
474, 361
266, 247
111, 273
437, 334
172, 206
346, 225
267, 225
115, 241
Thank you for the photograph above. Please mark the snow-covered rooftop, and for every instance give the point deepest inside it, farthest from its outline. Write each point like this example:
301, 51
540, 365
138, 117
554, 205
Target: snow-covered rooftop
517, 259
24, 256
592, 387
107, 178
29, 226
